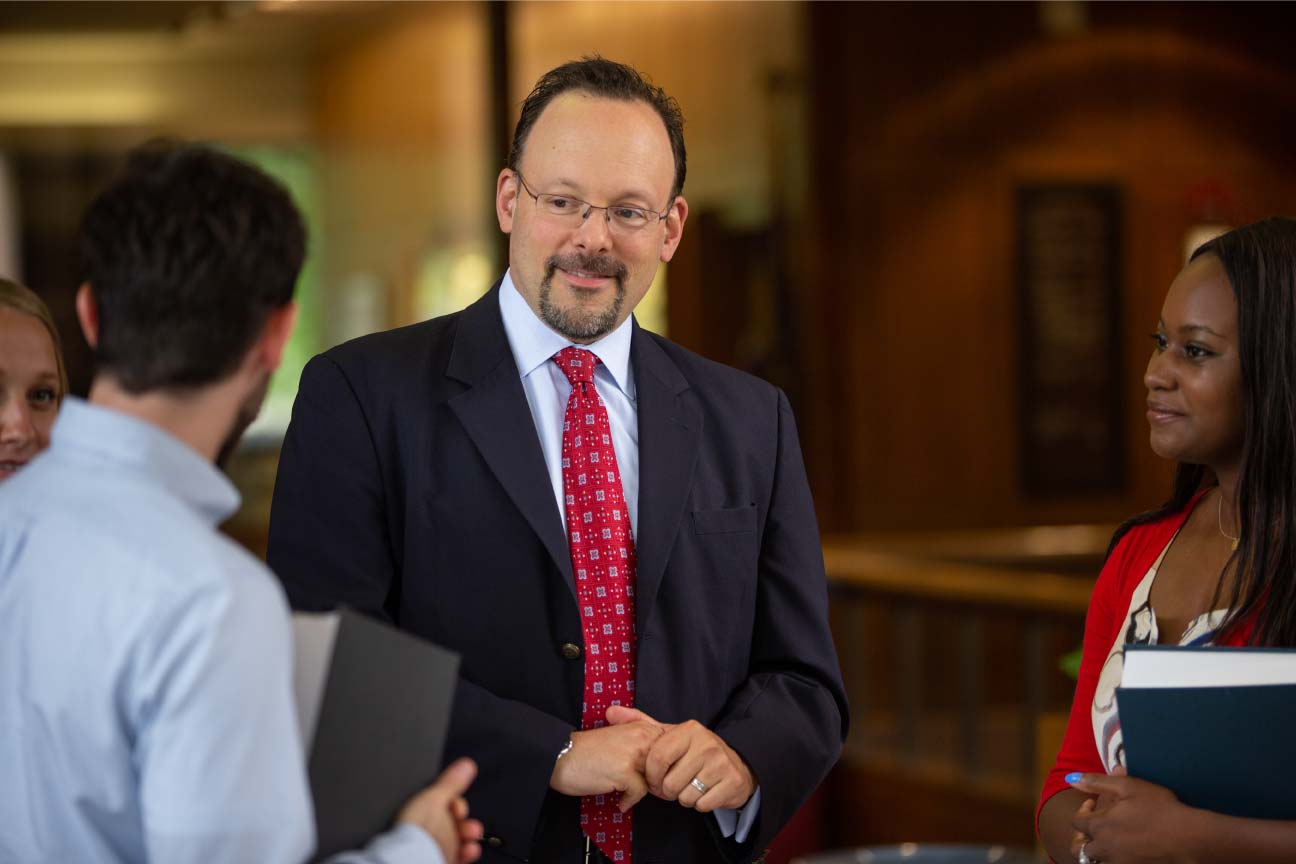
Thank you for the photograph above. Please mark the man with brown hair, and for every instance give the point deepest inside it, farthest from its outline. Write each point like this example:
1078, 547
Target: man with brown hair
616, 535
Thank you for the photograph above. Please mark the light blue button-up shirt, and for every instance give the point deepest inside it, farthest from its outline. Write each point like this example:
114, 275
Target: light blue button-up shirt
146, 709
547, 389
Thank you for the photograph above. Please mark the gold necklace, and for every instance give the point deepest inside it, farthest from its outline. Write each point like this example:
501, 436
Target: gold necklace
1219, 521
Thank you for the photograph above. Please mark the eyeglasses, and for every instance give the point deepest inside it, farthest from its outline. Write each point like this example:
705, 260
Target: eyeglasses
623, 217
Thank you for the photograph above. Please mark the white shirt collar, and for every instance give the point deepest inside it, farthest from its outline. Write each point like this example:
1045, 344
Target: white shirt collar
533, 343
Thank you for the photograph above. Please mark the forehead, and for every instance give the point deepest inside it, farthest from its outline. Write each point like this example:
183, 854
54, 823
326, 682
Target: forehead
599, 144
25, 345
1202, 294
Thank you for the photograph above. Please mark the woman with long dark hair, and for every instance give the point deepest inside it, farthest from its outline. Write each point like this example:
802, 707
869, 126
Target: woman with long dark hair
1216, 564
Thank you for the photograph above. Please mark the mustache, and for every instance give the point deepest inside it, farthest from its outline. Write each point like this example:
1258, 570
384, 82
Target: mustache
599, 265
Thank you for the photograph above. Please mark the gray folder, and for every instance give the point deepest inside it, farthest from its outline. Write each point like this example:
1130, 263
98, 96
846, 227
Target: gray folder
373, 704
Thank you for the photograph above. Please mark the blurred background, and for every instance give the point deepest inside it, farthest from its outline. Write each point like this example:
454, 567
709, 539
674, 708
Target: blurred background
944, 229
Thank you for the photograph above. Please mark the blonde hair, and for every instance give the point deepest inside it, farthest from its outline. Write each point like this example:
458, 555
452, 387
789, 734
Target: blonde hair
26, 301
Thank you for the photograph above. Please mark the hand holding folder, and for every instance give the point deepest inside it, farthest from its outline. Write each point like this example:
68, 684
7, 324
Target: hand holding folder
373, 705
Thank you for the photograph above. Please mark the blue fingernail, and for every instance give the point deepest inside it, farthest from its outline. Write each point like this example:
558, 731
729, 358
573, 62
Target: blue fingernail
1074, 777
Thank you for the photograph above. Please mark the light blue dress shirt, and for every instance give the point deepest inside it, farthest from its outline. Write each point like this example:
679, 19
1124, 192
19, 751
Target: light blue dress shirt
146, 709
547, 389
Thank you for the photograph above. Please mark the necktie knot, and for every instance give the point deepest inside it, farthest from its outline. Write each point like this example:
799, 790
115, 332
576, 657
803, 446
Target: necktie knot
577, 364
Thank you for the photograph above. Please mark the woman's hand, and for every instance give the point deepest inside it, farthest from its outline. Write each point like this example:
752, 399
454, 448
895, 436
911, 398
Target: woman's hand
1131, 822
1079, 838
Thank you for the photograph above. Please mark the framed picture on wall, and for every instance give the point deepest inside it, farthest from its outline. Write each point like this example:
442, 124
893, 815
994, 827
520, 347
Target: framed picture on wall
1069, 267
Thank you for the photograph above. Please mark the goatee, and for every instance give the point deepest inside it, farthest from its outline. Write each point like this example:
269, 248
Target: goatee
575, 323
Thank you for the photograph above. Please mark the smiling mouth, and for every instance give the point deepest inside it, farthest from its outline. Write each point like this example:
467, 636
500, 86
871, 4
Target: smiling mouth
1161, 414
9, 466
585, 279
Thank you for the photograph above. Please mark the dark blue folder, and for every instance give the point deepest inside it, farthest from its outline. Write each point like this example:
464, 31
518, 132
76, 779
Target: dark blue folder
1231, 750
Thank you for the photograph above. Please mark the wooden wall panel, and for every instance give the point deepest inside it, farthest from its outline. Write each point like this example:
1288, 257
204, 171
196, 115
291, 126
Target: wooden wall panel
926, 119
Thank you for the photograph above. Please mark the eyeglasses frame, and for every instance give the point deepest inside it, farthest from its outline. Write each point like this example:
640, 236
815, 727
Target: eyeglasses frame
590, 208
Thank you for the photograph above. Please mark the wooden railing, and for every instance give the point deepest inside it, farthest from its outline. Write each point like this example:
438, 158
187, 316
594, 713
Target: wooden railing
950, 643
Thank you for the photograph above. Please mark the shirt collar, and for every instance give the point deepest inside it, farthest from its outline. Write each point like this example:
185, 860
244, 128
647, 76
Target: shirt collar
137, 445
533, 343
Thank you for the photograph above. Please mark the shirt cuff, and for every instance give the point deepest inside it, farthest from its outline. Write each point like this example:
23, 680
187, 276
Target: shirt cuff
405, 844
738, 823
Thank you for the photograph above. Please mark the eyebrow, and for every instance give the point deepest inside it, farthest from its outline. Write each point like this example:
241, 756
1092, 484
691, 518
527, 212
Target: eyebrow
1193, 328
46, 377
624, 198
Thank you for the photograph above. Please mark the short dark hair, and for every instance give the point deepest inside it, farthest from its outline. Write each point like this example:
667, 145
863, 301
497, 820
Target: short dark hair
187, 253
610, 80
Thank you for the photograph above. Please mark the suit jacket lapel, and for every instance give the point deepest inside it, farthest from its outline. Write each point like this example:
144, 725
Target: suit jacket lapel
670, 432
495, 414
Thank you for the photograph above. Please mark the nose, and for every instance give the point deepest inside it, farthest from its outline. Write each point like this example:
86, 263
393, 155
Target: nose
1160, 371
17, 429
594, 234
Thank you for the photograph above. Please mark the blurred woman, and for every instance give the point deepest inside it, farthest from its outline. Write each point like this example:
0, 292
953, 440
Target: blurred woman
32, 378
1216, 564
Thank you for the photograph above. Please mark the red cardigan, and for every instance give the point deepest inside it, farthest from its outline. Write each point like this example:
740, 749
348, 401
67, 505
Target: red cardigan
1108, 606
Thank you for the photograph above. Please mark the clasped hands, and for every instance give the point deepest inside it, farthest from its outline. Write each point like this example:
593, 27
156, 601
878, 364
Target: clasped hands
637, 755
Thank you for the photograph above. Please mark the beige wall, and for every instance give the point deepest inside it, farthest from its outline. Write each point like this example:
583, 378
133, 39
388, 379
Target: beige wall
746, 146
407, 169
203, 83
712, 57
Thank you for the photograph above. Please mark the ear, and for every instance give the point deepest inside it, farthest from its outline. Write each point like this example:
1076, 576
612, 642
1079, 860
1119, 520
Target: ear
506, 197
278, 329
674, 228
88, 314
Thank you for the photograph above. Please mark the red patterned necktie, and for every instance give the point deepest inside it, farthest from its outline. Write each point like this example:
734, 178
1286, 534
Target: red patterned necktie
603, 562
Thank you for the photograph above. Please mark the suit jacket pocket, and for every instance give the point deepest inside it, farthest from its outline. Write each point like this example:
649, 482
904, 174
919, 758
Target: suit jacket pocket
727, 520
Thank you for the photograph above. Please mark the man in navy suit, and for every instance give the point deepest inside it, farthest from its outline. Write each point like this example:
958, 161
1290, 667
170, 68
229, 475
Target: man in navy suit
616, 534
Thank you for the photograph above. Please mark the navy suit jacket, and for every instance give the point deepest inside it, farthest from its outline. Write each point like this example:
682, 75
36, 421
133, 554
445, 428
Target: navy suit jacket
412, 487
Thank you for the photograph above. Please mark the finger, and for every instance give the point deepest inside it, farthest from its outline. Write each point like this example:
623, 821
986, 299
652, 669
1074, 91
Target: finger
469, 852
718, 795
688, 795
1078, 840
1085, 811
1099, 784
459, 809
1119, 771
706, 759
1082, 821
690, 763
470, 830
619, 714
636, 790
455, 779
677, 784
664, 752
